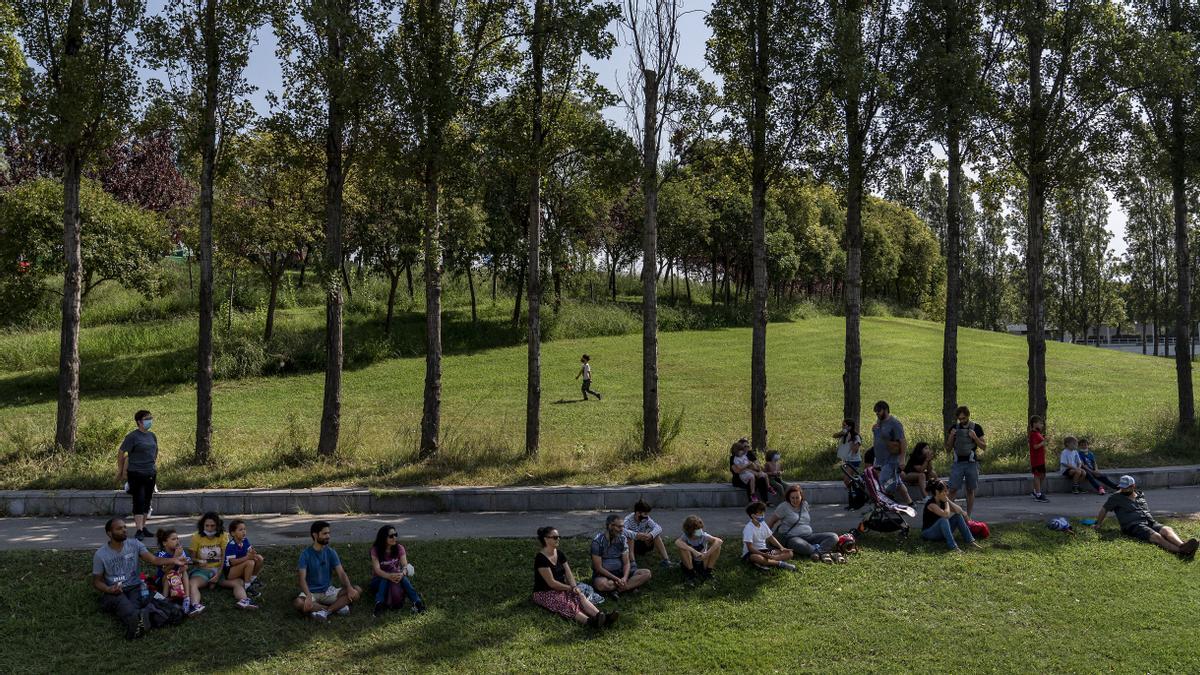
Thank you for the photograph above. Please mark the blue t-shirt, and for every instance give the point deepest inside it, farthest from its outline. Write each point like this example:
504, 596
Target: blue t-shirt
319, 566
1088, 458
233, 551
160, 572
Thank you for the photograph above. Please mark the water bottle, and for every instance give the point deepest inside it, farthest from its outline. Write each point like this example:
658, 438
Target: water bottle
144, 594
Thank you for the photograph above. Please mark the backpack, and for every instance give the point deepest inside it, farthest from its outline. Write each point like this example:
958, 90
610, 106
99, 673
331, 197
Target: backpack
164, 613
979, 529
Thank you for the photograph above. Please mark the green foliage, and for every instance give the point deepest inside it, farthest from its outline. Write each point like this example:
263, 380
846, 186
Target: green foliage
120, 242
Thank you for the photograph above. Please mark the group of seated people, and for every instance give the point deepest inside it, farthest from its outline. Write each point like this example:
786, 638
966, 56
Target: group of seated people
218, 557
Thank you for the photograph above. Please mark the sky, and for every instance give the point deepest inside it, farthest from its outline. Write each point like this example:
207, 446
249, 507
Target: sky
264, 73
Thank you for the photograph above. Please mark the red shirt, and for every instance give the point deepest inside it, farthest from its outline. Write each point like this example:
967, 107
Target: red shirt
1037, 448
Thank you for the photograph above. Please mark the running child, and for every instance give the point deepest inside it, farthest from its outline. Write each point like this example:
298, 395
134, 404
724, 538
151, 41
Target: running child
585, 371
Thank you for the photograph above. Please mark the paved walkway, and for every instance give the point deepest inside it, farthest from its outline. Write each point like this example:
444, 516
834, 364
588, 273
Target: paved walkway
86, 533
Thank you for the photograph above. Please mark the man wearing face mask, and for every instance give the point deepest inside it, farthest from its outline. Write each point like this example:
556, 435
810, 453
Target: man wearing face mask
136, 465
1133, 515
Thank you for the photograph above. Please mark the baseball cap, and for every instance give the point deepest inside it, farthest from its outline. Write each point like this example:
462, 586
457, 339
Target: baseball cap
1126, 482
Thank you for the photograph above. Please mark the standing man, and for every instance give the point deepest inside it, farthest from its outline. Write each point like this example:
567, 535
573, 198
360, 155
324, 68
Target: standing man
964, 440
319, 564
136, 467
890, 446
115, 575
1129, 503
613, 568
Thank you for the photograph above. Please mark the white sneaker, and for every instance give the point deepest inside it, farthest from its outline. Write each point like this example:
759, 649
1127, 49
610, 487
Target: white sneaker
246, 603
196, 609
787, 566
344, 611
320, 615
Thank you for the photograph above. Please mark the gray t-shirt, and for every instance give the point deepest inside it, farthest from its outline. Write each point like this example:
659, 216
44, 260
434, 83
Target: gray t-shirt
888, 430
142, 448
1129, 510
792, 523
119, 566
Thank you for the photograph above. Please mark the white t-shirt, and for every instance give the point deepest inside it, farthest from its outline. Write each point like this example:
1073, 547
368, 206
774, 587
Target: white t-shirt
1070, 458
846, 451
755, 536
587, 371
741, 462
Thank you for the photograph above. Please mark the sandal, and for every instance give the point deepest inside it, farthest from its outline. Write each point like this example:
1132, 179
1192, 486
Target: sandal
816, 557
827, 558
839, 558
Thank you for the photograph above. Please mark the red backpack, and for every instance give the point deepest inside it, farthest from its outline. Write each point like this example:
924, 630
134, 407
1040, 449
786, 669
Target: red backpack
979, 529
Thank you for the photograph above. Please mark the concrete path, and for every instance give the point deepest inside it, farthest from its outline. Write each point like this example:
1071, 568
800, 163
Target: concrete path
87, 533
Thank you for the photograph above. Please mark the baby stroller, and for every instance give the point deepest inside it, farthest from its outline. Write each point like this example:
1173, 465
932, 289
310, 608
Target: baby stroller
856, 493
885, 515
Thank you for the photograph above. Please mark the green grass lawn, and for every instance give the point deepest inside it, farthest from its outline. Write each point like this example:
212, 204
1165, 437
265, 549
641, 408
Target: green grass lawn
1035, 600
266, 428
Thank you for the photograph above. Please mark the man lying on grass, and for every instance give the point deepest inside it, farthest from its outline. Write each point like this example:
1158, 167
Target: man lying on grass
318, 563
1129, 503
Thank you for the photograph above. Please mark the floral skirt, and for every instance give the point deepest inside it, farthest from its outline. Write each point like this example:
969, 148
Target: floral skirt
563, 603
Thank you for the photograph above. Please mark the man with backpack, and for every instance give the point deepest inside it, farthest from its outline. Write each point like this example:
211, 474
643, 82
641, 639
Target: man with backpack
964, 440
124, 593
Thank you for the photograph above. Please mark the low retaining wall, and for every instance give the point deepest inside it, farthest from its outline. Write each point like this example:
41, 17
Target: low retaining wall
524, 498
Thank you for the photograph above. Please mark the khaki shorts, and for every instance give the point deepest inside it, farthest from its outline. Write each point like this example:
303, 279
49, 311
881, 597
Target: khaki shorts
326, 597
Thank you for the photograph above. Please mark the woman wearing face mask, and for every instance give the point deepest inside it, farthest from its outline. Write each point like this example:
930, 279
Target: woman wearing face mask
759, 545
698, 551
792, 525
207, 550
137, 469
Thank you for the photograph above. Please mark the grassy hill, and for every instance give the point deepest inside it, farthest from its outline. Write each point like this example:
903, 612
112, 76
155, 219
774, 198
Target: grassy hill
266, 427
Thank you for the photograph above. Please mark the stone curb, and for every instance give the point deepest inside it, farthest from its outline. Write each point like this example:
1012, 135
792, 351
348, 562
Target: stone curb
494, 499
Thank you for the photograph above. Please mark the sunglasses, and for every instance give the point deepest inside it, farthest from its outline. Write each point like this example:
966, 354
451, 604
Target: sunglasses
391, 535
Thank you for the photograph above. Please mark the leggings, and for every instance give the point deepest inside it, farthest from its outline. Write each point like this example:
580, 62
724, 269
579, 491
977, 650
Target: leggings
141, 488
944, 529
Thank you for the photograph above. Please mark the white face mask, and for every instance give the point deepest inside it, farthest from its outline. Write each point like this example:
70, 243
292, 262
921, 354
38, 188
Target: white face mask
699, 535
210, 533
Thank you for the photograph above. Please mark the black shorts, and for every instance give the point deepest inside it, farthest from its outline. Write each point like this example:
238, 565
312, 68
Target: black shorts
141, 489
642, 547
1143, 531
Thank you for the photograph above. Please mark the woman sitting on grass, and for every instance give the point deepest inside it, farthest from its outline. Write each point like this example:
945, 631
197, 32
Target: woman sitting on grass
554, 586
207, 550
391, 582
242, 565
698, 551
942, 516
759, 547
792, 525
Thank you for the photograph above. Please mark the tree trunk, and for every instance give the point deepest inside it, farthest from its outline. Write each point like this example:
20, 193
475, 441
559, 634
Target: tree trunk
687, 285
331, 411
202, 452
471, 286
409, 280
72, 305
275, 273
1183, 269
232, 290
307, 250
431, 413
953, 273
758, 171
394, 282
1035, 243
346, 280
495, 274
516, 317
713, 298
533, 388
651, 442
